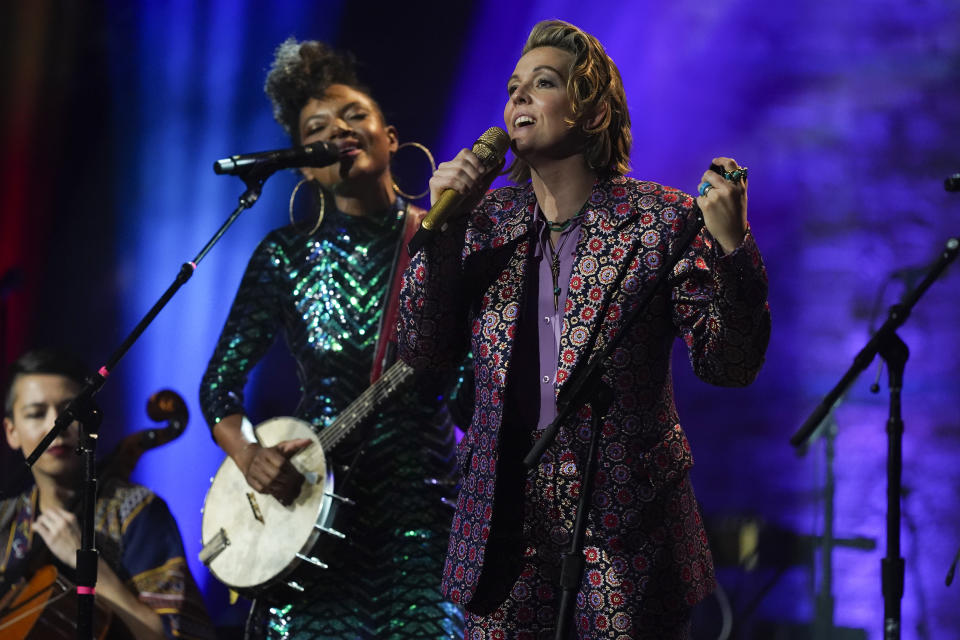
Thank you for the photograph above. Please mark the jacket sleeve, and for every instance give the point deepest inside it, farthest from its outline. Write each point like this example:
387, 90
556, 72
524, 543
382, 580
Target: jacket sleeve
720, 310
432, 325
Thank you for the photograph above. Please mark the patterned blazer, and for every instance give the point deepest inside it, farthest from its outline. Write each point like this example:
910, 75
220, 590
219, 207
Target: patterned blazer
467, 289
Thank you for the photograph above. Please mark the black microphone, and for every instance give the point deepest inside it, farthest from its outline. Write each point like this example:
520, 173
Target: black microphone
952, 183
490, 148
317, 154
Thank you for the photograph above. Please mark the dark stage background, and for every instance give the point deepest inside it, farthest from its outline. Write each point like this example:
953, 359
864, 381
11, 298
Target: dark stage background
846, 112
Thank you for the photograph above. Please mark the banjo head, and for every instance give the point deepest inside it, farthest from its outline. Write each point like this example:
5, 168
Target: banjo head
264, 536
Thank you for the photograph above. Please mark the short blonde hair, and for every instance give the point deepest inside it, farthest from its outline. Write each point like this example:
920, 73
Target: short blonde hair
593, 83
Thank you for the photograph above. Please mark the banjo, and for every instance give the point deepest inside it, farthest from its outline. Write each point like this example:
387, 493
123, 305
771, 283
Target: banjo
250, 540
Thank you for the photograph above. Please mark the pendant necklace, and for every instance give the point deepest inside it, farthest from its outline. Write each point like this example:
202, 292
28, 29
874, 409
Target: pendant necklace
555, 227
555, 259
555, 272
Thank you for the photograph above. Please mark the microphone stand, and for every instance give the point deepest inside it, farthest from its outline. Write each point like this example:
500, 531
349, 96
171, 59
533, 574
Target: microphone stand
87, 555
585, 386
823, 625
82, 409
824, 601
894, 352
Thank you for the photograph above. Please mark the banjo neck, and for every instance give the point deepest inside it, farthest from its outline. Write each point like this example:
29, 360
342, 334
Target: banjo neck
365, 405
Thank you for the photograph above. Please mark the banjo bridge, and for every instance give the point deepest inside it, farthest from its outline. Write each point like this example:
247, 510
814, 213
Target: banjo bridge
255, 507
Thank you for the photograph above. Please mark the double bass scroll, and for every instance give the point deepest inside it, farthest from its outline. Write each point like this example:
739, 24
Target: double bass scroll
163, 405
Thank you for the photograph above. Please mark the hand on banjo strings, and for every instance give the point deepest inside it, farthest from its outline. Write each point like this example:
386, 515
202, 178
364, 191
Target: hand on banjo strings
269, 470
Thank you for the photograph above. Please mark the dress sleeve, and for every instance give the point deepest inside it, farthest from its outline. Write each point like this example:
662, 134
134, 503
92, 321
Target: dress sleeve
720, 310
155, 568
251, 326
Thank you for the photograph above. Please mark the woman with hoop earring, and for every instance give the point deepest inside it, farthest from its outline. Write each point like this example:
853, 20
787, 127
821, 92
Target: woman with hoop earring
330, 286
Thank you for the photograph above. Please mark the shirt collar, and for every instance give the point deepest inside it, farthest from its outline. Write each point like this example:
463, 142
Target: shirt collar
543, 232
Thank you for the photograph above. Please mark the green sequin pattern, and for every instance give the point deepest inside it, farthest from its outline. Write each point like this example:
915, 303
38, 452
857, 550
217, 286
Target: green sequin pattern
323, 293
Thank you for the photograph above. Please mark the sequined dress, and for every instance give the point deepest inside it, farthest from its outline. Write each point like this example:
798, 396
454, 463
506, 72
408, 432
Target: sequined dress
324, 294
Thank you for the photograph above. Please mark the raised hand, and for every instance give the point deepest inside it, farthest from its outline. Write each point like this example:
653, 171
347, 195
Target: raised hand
724, 204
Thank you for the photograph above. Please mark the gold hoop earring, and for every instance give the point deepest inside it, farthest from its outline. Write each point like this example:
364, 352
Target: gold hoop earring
433, 169
293, 196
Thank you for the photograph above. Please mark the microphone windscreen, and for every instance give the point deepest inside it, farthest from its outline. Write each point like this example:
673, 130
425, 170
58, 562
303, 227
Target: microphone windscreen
491, 147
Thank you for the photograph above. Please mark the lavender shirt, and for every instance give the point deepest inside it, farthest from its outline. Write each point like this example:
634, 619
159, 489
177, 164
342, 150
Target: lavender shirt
549, 321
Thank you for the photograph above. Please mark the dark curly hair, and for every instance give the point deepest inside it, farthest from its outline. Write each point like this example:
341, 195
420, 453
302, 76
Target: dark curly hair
304, 70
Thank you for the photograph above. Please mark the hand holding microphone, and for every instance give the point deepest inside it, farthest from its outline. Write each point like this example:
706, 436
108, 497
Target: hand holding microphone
723, 200
459, 179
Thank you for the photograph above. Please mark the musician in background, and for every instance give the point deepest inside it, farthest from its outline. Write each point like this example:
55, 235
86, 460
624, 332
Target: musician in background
329, 286
142, 575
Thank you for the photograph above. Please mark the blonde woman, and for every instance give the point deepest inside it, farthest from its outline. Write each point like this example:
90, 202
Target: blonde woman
536, 280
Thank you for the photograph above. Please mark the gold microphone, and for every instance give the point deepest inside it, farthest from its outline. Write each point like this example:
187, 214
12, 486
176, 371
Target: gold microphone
490, 148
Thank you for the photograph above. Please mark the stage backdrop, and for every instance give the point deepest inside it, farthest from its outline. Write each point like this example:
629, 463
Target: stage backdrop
846, 114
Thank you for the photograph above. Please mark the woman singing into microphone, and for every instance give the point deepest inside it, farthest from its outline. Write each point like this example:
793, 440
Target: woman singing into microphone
329, 286
537, 279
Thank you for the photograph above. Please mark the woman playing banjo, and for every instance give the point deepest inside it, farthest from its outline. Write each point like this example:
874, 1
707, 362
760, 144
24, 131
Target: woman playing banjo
327, 285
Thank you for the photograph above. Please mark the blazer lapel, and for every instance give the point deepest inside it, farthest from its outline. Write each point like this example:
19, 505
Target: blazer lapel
604, 252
